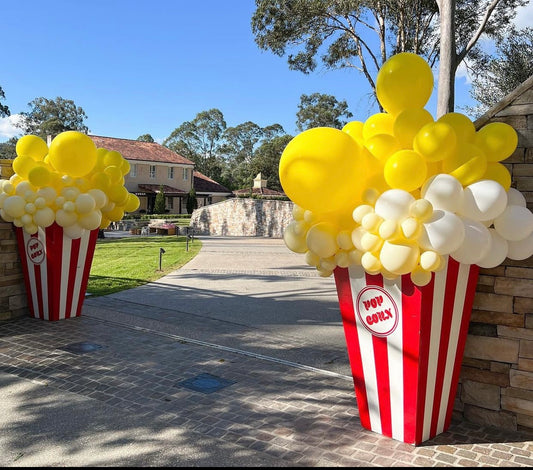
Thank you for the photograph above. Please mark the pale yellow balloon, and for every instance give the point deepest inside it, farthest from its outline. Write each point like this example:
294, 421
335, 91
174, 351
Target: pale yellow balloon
31, 146
66, 218
293, 240
399, 258
91, 220
322, 239
44, 217
85, 203
14, 206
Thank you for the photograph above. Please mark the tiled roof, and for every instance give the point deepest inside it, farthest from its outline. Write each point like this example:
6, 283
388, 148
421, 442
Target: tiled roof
204, 184
155, 188
140, 151
261, 191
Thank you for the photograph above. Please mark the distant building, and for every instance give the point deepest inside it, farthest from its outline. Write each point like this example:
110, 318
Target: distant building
154, 167
258, 189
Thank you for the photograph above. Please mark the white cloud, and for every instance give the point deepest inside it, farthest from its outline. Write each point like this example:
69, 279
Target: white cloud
8, 127
524, 16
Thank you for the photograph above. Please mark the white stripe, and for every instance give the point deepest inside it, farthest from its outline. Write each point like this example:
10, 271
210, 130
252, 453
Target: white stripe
31, 274
64, 274
434, 343
357, 282
458, 305
395, 357
80, 267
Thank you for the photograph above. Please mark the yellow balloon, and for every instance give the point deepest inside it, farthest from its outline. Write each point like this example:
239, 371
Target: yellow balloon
322, 239
85, 203
118, 194
73, 153
404, 81
100, 181
464, 128
39, 176
407, 124
355, 130
379, 123
467, 165
44, 217
90, 221
321, 159
125, 167
22, 165
31, 146
405, 170
113, 158
498, 141
294, 240
114, 173
382, 146
115, 214
498, 172
435, 141
132, 204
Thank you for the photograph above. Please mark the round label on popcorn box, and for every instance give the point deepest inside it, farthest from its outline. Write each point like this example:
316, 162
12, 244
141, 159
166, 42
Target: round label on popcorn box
377, 311
35, 250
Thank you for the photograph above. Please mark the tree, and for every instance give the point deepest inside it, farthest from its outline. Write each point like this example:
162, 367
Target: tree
343, 33
145, 138
503, 71
199, 140
8, 149
266, 160
191, 202
4, 110
159, 205
321, 110
51, 117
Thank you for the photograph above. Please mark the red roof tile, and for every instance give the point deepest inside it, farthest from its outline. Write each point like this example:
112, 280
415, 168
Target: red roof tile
204, 184
140, 151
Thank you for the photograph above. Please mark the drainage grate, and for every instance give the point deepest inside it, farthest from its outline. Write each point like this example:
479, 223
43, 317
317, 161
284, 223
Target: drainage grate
81, 348
205, 383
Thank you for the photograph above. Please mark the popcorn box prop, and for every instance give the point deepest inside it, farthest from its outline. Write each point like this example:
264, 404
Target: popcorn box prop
405, 345
56, 270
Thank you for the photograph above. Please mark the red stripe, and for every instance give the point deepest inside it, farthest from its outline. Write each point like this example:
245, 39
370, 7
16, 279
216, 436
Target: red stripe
54, 258
465, 321
447, 314
72, 270
381, 361
87, 269
25, 268
426, 311
344, 292
411, 298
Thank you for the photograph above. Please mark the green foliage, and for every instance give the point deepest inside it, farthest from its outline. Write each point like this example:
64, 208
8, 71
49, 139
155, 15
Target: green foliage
321, 110
145, 138
159, 205
4, 110
7, 149
266, 160
192, 202
121, 264
497, 74
51, 117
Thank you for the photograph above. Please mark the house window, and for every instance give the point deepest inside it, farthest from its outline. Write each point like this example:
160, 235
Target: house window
133, 170
185, 174
152, 171
170, 172
170, 203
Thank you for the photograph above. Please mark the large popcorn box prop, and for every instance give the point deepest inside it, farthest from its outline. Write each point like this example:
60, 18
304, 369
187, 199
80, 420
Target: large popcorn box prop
405, 345
56, 270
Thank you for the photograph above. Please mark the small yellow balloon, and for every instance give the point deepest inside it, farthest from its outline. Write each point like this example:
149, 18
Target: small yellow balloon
132, 204
498, 172
404, 81
22, 165
498, 141
464, 128
435, 141
322, 239
467, 165
39, 176
405, 170
31, 146
379, 123
113, 158
114, 173
382, 146
355, 130
118, 194
408, 123
73, 153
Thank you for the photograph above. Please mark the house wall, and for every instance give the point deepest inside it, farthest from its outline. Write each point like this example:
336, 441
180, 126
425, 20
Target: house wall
496, 384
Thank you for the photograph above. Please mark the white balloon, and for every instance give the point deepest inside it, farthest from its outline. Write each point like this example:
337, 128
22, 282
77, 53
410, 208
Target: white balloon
44, 217
483, 200
322, 239
399, 258
443, 191
475, 244
521, 249
515, 198
295, 241
73, 231
394, 204
515, 223
497, 251
443, 232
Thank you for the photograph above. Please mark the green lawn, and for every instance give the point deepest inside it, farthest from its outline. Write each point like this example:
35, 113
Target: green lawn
124, 263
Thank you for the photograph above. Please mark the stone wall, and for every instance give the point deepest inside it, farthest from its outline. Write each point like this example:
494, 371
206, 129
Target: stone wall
13, 300
497, 375
243, 217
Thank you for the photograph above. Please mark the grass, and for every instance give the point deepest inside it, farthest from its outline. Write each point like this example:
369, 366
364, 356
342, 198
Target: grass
124, 263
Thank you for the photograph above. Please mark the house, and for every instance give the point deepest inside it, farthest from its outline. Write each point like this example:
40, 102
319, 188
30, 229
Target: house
154, 167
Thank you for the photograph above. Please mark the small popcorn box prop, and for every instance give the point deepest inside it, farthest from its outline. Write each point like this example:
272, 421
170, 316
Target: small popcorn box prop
56, 270
405, 345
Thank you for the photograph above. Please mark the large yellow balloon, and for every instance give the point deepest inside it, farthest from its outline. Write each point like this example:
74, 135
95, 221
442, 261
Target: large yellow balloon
405, 170
73, 153
322, 170
404, 81
31, 146
498, 141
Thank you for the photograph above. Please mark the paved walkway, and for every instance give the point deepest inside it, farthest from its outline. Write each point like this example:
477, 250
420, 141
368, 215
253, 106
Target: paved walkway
235, 360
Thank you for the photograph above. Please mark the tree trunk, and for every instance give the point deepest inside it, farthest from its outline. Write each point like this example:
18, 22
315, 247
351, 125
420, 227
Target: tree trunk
448, 58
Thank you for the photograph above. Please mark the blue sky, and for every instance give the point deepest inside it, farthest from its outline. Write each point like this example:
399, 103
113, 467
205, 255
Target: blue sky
146, 67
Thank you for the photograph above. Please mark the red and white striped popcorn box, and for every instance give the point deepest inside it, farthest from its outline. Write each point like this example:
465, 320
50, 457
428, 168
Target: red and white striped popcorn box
56, 270
405, 345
